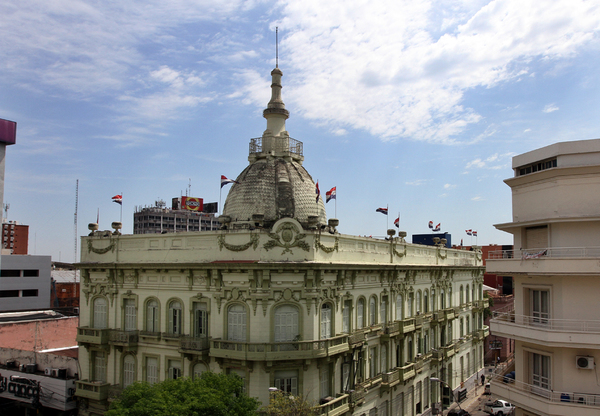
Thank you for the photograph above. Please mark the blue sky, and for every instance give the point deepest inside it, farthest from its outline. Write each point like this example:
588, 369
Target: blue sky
418, 105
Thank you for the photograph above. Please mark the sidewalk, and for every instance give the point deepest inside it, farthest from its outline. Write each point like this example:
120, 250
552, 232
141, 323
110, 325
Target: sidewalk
475, 398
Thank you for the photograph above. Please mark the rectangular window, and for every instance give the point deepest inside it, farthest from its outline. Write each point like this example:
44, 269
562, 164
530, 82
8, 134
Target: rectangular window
540, 306
372, 362
540, 372
152, 370
30, 293
174, 369
99, 366
10, 273
360, 314
383, 312
346, 316
130, 315
346, 377
31, 273
9, 293
287, 381
200, 319
324, 381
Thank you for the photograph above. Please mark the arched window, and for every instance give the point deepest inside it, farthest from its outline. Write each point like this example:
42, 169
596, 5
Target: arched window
199, 368
468, 294
399, 308
433, 300
462, 329
325, 321
442, 299
128, 370
474, 293
468, 325
175, 316
130, 315
100, 313
372, 311
152, 314
384, 365
286, 323
346, 312
236, 323
411, 304
360, 313
450, 297
418, 302
200, 319
410, 350
383, 310
425, 301
461, 295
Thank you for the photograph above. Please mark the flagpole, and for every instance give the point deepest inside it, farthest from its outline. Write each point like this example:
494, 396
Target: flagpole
336, 202
121, 217
220, 208
387, 217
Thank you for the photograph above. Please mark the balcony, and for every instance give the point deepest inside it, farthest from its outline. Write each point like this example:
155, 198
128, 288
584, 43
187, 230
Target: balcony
480, 334
274, 351
544, 401
92, 336
338, 406
545, 261
93, 390
406, 372
124, 339
407, 325
390, 379
569, 333
193, 345
449, 313
356, 339
357, 397
481, 304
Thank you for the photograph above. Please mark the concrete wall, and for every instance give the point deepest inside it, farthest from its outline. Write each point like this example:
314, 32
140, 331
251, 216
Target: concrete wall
40, 283
39, 335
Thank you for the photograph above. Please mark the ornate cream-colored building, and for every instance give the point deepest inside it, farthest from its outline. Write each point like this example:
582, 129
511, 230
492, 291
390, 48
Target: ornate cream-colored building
556, 271
279, 297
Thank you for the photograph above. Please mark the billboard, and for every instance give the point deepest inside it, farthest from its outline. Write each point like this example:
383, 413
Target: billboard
192, 204
8, 131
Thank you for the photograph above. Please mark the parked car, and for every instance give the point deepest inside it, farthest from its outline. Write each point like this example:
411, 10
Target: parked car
499, 408
458, 412
487, 389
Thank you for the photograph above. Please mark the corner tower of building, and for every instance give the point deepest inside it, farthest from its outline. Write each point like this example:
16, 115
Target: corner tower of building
274, 185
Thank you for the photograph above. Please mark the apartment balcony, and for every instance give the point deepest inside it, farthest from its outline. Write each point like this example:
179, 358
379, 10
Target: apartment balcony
407, 325
390, 379
127, 340
277, 351
480, 334
357, 396
543, 401
356, 339
481, 304
449, 313
545, 261
406, 372
338, 406
569, 333
92, 336
93, 390
194, 346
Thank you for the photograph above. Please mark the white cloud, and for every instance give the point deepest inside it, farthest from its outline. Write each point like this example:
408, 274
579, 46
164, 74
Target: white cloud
477, 198
549, 108
478, 163
526, 130
417, 182
449, 186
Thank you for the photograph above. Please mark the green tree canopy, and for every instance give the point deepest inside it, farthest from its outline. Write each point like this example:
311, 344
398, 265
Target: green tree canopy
209, 395
282, 404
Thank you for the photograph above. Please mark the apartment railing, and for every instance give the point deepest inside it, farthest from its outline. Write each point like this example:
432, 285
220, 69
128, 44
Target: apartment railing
559, 397
279, 350
536, 253
116, 336
564, 325
338, 406
188, 343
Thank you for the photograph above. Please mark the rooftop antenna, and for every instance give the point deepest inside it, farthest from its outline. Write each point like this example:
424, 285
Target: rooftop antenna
75, 220
276, 47
6, 207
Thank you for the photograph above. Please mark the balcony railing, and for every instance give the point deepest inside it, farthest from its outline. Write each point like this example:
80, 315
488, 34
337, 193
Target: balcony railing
357, 396
123, 338
271, 351
286, 144
391, 378
560, 397
335, 407
87, 335
193, 344
95, 390
536, 253
356, 339
562, 325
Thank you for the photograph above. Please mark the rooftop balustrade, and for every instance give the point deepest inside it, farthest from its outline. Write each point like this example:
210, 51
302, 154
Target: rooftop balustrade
123, 338
338, 406
549, 252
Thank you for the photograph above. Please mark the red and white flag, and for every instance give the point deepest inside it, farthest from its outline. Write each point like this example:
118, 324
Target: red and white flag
118, 199
226, 181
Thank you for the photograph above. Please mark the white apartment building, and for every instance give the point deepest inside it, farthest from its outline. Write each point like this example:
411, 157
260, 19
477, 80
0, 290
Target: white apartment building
556, 271
281, 298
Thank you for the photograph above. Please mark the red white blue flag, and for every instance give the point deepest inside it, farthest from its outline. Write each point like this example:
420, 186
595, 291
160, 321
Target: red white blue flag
382, 210
437, 227
469, 232
329, 195
430, 224
318, 192
397, 222
474, 233
225, 181
118, 199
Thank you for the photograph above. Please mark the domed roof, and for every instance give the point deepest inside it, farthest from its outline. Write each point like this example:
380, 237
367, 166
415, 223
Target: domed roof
275, 188
275, 184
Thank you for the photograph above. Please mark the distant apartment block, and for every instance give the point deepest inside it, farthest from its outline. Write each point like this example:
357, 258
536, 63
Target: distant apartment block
186, 214
15, 237
24, 283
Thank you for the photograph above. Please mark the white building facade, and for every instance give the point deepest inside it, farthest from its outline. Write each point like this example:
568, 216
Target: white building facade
555, 322
282, 299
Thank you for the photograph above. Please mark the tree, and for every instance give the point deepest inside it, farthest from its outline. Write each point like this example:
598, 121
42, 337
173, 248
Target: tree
487, 311
209, 395
282, 404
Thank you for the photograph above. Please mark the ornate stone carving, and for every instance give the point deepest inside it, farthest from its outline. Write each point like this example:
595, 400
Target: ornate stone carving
91, 248
287, 235
397, 253
254, 240
326, 249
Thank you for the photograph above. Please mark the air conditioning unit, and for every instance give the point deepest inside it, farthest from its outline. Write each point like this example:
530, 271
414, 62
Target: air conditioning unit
22, 367
585, 363
11, 364
48, 371
55, 372
76, 310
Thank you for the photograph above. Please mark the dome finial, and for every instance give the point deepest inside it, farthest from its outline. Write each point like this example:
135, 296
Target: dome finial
276, 47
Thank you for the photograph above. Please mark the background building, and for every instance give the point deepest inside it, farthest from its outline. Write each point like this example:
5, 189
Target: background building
556, 271
24, 282
15, 237
186, 214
